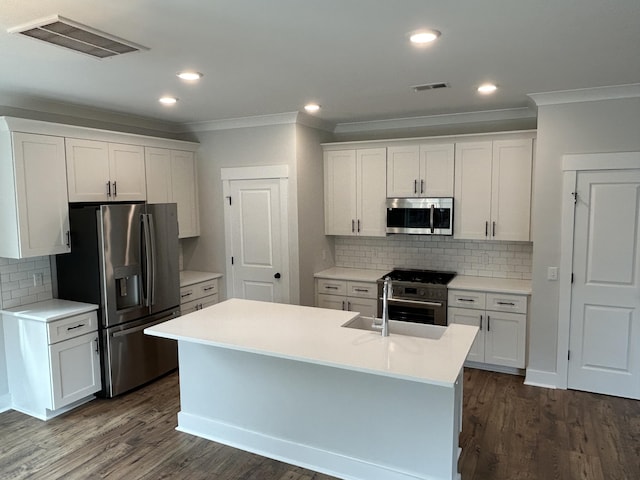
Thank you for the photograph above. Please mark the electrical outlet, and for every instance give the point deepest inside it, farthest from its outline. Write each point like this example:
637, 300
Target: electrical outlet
37, 279
552, 273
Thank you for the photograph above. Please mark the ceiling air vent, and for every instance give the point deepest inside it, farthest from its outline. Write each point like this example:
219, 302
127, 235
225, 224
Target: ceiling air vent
429, 86
74, 36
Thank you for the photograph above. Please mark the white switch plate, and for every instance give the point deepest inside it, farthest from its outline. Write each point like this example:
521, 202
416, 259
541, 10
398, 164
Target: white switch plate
37, 279
552, 273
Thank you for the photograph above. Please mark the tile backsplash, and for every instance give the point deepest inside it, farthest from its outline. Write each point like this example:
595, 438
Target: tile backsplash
466, 257
17, 281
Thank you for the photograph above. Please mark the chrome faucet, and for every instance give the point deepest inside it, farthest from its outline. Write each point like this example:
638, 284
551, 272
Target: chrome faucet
387, 292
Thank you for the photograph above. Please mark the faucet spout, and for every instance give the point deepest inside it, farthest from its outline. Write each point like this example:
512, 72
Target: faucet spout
387, 291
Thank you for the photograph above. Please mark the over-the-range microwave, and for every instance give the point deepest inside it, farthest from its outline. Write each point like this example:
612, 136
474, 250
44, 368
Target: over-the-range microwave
420, 216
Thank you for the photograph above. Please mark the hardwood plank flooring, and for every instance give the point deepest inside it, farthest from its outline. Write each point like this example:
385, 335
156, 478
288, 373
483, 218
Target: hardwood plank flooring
510, 432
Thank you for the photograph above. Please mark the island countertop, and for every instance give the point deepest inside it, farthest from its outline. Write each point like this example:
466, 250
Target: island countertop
315, 335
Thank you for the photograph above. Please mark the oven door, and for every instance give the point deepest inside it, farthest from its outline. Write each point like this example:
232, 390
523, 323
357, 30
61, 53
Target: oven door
432, 313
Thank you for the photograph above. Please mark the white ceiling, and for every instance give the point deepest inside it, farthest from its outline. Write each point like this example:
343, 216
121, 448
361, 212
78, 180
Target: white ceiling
264, 57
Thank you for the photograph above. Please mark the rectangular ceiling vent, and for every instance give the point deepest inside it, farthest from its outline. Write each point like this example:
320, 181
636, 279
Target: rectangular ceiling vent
429, 86
74, 36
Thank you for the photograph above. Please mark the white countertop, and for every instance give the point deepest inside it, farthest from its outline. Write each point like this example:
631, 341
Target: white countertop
49, 310
189, 277
353, 274
315, 335
490, 284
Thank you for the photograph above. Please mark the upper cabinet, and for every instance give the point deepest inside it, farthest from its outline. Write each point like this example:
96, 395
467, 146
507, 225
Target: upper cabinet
424, 170
171, 177
34, 213
493, 189
354, 198
104, 172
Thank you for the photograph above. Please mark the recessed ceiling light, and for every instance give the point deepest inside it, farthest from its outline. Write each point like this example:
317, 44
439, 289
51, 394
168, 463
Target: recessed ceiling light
422, 37
312, 107
168, 100
487, 88
189, 75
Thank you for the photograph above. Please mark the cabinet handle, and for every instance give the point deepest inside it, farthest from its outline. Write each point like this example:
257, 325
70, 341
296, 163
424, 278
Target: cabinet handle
330, 287
494, 229
353, 225
206, 289
488, 323
486, 229
358, 225
115, 189
364, 290
480, 322
68, 239
415, 186
97, 350
421, 186
511, 304
349, 306
109, 188
77, 326
185, 295
466, 300
342, 304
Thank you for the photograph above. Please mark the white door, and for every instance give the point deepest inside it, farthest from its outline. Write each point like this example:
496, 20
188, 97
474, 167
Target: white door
258, 233
605, 299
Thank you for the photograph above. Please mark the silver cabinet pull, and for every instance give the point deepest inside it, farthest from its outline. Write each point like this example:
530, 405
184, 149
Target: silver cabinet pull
494, 229
185, 295
97, 350
415, 186
480, 322
364, 290
421, 186
330, 287
466, 300
80, 325
486, 229
511, 304
115, 189
358, 225
353, 225
206, 289
488, 323
109, 188
68, 239
348, 306
342, 304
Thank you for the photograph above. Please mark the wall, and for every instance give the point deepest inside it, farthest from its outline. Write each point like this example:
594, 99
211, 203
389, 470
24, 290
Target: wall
587, 127
466, 257
315, 248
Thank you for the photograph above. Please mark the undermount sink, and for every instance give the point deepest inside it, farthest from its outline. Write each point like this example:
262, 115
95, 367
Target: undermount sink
420, 330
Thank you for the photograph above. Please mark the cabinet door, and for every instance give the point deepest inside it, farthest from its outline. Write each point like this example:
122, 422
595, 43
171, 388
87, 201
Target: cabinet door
368, 307
476, 318
511, 189
41, 191
340, 192
436, 170
87, 170
157, 164
126, 167
185, 192
334, 302
403, 171
75, 369
371, 220
472, 207
505, 339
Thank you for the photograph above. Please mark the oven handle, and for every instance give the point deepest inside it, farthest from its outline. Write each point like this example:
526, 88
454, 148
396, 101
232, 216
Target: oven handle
414, 302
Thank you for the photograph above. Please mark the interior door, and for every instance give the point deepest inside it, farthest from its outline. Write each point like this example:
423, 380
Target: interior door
605, 299
260, 263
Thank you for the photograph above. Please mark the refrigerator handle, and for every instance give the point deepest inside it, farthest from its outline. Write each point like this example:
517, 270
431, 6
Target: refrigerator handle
152, 238
147, 257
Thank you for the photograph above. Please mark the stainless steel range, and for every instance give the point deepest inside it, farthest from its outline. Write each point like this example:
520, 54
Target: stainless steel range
419, 296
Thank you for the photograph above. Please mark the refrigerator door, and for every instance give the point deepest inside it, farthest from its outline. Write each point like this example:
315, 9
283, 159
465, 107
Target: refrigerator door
121, 265
164, 270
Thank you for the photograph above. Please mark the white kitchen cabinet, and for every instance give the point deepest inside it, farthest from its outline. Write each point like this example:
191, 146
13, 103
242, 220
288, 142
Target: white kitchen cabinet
34, 212
53, 361
420, 170
198, 296
104, 172
502, 319
354, 196
347, 295
171, 178
493, 189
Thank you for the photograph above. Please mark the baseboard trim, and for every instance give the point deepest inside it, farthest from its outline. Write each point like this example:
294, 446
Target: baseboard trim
5, 402
495, 368
540, 378
304, 456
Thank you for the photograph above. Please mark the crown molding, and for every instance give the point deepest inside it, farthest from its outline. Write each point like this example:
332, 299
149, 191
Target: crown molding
436, 120
315, 122
586, 94
243, 122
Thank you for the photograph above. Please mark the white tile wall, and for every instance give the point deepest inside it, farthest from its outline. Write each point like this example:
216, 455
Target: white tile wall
466, 257
17, 283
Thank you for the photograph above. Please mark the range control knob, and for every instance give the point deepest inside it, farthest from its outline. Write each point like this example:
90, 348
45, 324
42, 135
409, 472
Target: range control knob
421, 293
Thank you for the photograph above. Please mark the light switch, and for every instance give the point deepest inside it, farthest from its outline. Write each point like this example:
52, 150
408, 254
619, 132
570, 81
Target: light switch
552, 273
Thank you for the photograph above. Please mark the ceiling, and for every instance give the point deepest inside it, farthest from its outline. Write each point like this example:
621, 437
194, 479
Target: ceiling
262, 57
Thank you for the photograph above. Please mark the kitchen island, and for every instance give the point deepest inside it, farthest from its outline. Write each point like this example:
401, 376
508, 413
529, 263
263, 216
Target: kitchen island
290, 383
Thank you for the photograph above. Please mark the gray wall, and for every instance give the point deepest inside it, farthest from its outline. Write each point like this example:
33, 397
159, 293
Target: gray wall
590, 127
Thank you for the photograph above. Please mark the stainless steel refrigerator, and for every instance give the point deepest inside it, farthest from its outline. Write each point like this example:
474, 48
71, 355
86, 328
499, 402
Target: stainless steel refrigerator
124, 257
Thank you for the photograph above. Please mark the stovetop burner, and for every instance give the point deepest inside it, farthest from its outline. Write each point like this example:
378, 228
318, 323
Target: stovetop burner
433, 277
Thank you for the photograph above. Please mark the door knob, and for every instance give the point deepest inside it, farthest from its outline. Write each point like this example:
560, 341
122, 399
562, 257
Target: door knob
277, 275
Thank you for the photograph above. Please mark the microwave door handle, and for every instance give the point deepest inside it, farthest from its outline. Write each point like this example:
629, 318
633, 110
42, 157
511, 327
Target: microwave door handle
432, 219
152, 241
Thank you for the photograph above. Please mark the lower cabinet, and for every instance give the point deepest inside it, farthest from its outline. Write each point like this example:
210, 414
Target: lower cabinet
198, 296
52, 365
502, 319
347, 295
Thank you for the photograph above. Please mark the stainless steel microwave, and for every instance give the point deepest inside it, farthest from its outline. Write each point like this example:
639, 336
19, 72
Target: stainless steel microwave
420, 216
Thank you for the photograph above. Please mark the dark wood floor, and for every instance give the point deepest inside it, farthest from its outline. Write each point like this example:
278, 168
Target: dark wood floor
511, 432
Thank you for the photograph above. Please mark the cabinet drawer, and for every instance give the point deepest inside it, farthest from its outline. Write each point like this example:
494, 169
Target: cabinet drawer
332, 287
362, 290
504, 302
467, 299
206, 288
71, 327
198, 304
